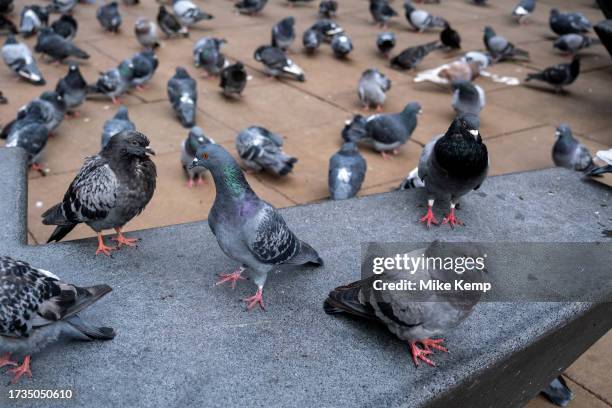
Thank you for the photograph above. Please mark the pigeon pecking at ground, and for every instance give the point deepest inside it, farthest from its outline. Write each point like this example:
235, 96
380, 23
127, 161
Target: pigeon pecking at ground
328, 8
248, 229
250, 7
189, 147
354, 129
327, 28
559, 75
568, 23
421, 20
467, 97
114, 82
109, 190
188, 13
412, 56
372, 89
233, 80
570, 153
523, 10
341, 45
606, 157
283, 33
385, 42
276, 63
18, 57
259, 149
381, 12
32, 19
57, 47
207, 55
73, 89
145, 64
117, 124
29, 132
347, 169
311, 40
109, 17
414, 318
66, 26
183, 96
572, 43
170, 24
500, 48
452, 165
37, 309
146, 33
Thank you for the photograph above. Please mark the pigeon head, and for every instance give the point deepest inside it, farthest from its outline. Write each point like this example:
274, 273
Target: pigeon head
229, 179
35, 113
197, 138
465, 87
554, 12
129, 143
10, 39
126, 69
162, 10
413, 108
55, 98
489, 32
408, 7
122, 113
287, 22
142, 26
348, 147
213, 156
564, 131
181, 73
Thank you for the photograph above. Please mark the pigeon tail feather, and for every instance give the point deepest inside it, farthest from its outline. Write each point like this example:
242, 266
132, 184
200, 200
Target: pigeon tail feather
92, 332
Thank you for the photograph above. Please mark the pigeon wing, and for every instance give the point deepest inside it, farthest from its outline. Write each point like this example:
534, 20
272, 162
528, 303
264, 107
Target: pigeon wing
269, 238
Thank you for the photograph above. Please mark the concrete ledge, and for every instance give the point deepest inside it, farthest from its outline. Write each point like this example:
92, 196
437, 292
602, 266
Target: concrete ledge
184, 343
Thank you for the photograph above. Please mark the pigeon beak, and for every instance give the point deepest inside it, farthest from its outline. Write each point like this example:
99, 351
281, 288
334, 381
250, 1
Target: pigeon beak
420, 112
149, 150
474, 132
193, 164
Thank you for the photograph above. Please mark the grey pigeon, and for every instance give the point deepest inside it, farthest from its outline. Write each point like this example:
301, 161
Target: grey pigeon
109, 190
18, 57
146, 33
372, 88
63, 6
328, 8
387, 132
558, 75
183, 96
523, 10
33, 18
341, 45
557, 392
354, 129
131, 2
145, 64
347, 170
381, 11
169, 24
452, 165
421, 20
500, 48
66, 26
568, 23
249, 230
38, 308
207, 55
327, 28
189, 147
29, 132
481, 58
114, 82
51, 106
311, 40
109, 17
283, 33
572, 43
415, 316
570, 153
467, 97
385, 42
188, 13
259, 149
57, 47
117, 124
606, 157
276, 63
250, 6
233, 79
72, 88
412, 56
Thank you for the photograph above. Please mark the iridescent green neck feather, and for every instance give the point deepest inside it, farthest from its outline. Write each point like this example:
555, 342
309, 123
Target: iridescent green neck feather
233, 179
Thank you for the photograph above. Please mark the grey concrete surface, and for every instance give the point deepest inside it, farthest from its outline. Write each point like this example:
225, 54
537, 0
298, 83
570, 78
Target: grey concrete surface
183, 342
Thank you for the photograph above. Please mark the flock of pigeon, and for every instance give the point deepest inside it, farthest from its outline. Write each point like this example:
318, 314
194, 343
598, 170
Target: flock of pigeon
115, 185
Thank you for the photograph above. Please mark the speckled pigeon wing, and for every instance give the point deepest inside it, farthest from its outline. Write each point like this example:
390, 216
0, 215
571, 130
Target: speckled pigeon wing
269, 238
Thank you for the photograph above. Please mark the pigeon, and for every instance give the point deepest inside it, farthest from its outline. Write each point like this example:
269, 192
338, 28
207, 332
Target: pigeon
145, 64
109, 17
421, 20
72, 88
568, 23
467, 97
341, 45
250, 6
558, 75
347, 170
207, 54
109, 190
146, 33
452, 165
283, 33
189, 147
29, 131
7, 26
277, 63
188, 13
52, 106
500, 48
66, 26
117, 124
6, 6
131, 2
460, 71
570, 153
63, 6
328, 8
169, 24
327, 28
354, 129
387, 132
558, 393
38, 308
412, 181
412, 56
606, 157
298, 2
183, 96
523, 10
114, 82
18, 57
233, 79
57, 47
311, 40
415, 316
385, 42
381, 12
248, 229
483, 59
450, 38
372, 88
33, 18
572, 43
259, 149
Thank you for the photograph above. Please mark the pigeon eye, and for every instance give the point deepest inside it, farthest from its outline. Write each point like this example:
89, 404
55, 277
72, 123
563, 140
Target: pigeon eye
205, 156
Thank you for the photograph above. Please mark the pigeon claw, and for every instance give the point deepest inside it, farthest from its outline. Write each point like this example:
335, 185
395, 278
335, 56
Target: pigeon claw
433, 343
18, 372
256, 299
233, 277
102, 247
420, 354
429, 218
5, 360
120, 239
451, 219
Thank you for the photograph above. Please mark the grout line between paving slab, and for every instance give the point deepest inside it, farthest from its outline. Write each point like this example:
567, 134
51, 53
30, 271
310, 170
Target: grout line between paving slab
541, 125
588, 390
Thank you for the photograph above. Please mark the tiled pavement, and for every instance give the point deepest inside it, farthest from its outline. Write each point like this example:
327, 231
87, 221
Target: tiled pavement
518, 122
